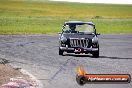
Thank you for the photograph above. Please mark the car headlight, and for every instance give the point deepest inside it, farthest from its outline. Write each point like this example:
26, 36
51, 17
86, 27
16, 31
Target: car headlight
63, 39
95, 39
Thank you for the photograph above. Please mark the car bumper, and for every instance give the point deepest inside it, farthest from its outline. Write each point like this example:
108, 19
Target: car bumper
83, 49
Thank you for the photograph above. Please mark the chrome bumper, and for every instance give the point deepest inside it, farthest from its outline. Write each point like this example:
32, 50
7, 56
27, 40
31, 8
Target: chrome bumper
85, 49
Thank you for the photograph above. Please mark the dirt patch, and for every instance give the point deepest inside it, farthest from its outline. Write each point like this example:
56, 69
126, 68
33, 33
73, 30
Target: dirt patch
7, 72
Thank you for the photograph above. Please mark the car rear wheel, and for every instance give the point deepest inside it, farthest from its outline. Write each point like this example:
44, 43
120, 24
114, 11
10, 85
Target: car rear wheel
61, 52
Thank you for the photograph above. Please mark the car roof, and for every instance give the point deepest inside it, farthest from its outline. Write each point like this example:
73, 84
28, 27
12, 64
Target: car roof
79, 23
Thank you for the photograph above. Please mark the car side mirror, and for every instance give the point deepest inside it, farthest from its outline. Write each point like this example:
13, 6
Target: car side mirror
59, 33
97, 33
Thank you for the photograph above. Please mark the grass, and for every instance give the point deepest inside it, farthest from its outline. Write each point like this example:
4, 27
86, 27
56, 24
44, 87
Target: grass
40, 17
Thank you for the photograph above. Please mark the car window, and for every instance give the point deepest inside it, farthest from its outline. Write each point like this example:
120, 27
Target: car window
80, 28
85, 28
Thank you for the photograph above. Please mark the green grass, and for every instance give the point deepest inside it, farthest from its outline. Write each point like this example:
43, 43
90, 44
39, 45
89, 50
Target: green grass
32, 17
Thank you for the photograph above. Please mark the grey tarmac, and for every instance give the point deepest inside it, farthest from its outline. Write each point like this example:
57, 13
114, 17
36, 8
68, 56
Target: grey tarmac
38, 54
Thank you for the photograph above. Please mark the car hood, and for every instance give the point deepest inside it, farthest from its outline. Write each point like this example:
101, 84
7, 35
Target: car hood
89, 36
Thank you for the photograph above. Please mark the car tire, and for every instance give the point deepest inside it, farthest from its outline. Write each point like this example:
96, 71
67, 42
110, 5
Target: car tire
96, 54
61, 52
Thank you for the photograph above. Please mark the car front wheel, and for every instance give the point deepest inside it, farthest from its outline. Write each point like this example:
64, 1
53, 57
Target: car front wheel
61, 52
96, 54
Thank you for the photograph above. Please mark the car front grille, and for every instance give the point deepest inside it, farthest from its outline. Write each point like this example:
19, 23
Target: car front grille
79, 42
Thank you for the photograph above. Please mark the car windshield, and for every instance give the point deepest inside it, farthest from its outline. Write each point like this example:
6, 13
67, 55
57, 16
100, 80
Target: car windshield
85, 28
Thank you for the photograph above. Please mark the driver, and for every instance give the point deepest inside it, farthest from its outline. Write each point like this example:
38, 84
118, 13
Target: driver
72, 27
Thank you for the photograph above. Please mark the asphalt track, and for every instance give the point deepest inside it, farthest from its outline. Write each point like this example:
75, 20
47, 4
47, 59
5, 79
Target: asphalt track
38, 54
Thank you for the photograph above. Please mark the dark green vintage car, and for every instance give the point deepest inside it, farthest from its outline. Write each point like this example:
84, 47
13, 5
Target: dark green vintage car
79, 37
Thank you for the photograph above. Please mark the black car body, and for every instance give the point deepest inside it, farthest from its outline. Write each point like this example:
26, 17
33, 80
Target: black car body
79, 37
